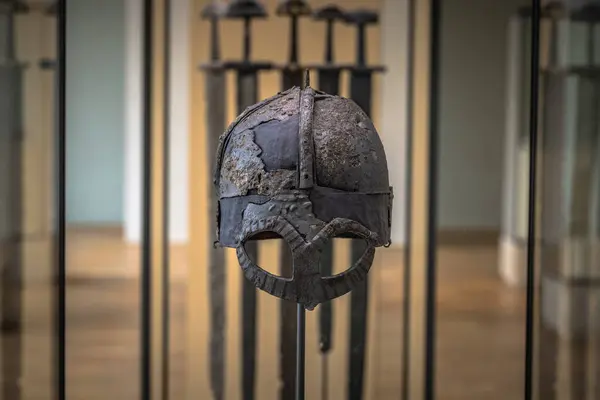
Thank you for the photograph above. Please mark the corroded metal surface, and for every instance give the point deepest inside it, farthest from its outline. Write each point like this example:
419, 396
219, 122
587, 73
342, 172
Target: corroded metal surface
308, 167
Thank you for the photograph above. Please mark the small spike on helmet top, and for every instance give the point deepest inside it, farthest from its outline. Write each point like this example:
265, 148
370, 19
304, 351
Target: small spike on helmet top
306, 78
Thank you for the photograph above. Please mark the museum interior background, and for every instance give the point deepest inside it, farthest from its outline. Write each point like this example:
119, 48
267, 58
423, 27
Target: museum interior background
481, 108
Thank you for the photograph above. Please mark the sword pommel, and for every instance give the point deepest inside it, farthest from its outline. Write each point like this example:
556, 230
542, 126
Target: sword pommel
293, 8
213, 11
245, 9
329, 13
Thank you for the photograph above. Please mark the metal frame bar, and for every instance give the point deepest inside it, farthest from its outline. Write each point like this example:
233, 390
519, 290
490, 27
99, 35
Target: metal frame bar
146, 272
165, 306
432, 198
406, 288
60, 351
531, 229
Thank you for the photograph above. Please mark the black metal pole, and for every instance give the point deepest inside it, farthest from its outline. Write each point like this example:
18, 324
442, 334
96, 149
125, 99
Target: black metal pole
292, 75
432, 198
531, 231
146, 278
61, 83
406, 286
165, 306
300, 351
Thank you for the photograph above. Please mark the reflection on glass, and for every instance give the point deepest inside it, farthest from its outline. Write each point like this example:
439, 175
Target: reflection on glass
11, 87
482, 214
569, 354
26, 202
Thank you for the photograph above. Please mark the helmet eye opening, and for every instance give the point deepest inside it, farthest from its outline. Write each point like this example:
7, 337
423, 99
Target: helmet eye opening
264, 255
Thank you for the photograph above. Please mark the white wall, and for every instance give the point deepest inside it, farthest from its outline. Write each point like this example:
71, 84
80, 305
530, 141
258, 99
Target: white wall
472, 112
94, 120
394, 101
179, 124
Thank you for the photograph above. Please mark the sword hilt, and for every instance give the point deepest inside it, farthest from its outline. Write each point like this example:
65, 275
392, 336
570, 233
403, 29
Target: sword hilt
47, 64
361, 18
246, 10
293, 9
590, 15
213, 12
329, 14
8, 8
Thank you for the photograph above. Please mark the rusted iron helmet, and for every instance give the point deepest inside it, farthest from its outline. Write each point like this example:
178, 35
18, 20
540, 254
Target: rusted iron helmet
307, 167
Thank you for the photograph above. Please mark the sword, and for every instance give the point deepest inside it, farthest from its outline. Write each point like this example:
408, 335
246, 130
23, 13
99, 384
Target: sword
328, 72
292, 75
11, 82
360, 91
329, 82
247, 95
215, 117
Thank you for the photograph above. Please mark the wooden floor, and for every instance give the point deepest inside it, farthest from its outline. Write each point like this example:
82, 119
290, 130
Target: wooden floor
480, 327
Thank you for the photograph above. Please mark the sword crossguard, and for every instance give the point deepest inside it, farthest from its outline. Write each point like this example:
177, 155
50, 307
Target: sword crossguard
47, 64
361, 17
329, 13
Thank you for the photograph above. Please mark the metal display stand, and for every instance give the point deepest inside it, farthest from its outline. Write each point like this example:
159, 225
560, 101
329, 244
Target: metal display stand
293, 73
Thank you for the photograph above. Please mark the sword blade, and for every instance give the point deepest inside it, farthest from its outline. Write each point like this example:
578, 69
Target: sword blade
329, 81
247, 95
360, 92
215, 96
11, 227
291, 77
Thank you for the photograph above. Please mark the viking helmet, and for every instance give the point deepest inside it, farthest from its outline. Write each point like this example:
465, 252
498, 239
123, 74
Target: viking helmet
307, 167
